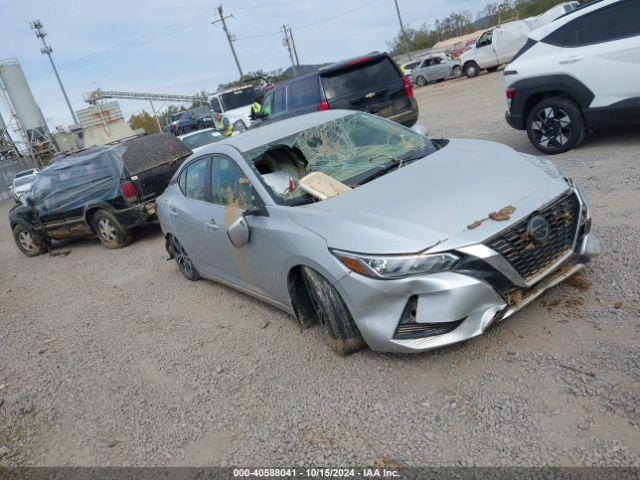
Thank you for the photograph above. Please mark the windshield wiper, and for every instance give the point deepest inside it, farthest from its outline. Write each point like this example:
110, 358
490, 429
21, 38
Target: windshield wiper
380, 171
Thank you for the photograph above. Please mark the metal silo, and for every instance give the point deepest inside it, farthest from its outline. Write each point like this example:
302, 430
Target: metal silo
27, 111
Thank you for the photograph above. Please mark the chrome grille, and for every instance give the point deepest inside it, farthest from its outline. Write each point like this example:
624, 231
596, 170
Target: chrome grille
530, 259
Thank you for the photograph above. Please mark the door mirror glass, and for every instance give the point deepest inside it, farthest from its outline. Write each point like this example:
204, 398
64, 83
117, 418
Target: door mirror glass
420, 129
239, 232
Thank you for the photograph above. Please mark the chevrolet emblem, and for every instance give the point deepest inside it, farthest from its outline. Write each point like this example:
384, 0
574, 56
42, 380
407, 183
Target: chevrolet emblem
370, 95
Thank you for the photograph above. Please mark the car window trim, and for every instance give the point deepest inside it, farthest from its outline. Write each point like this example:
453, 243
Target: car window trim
244, 172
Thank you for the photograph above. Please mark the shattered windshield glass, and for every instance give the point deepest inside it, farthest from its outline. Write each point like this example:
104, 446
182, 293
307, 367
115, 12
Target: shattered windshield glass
346, 149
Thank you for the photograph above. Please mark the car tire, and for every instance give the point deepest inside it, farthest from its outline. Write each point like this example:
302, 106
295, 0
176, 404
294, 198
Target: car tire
492, 69
29, 242
555, 125
344, 336
421, 81
109, 230
456, 72
180, 255
471, 69
199, 126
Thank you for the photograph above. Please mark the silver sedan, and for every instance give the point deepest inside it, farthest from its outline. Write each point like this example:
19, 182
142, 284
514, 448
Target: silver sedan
435, 67
383, 236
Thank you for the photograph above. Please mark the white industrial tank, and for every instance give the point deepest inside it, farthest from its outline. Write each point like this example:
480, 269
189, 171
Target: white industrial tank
21, 98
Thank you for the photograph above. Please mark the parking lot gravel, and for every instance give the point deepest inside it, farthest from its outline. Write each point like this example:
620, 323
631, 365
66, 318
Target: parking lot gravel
110, 357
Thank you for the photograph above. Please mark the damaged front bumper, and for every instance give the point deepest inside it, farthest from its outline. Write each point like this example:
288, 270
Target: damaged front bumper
420, 313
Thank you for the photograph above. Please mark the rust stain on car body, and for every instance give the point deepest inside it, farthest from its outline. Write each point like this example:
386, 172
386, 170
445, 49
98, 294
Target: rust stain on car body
499, 216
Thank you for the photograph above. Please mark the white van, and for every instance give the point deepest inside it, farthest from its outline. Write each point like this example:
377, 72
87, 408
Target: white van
498, 45
235, 103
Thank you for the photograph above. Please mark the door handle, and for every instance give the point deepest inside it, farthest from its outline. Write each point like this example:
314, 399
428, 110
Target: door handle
211, 225
173, 211
570, 60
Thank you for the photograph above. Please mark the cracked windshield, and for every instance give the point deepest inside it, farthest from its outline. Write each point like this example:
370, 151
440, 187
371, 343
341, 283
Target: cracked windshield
348, 149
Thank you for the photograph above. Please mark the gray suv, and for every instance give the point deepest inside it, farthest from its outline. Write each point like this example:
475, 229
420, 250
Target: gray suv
383, 236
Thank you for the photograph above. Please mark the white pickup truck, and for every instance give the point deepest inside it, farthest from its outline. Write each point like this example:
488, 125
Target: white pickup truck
498, 45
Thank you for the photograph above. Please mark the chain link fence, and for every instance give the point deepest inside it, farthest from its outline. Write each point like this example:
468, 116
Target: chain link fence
8, 169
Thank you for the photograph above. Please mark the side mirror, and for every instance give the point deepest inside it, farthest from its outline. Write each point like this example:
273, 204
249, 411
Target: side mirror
10, 187
420, 129
239, 232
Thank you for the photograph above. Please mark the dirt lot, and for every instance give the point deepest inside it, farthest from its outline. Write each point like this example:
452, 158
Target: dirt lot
112, 358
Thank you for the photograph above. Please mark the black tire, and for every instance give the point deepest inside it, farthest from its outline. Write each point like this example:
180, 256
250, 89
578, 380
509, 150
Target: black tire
199, 126
456, 72
492, 69
109, 230
420, 81
555, 125
471, 69
28, 242
180, 255
344, 336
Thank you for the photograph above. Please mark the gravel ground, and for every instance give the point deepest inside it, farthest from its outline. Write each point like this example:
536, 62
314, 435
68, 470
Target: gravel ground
112, 358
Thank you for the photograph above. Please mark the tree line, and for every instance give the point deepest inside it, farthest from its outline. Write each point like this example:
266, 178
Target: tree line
462, 23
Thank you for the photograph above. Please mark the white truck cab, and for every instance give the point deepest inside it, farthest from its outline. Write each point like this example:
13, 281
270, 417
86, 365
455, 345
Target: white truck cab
235, 103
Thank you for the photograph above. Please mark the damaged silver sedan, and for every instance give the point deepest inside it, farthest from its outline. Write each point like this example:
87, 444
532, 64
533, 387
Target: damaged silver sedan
383, 236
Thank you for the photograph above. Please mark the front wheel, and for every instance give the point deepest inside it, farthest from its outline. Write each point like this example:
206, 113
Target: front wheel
555, 125
421, 81
110, 232
471, 69
28, 242
457, 71
344, 336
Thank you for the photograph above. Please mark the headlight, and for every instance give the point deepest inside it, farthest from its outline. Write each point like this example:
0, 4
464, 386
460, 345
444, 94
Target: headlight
396, 266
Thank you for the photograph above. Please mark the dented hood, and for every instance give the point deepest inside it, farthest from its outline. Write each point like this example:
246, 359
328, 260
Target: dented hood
431, 202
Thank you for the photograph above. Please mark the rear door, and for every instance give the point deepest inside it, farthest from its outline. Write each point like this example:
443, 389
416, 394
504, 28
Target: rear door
372, 84
603, 51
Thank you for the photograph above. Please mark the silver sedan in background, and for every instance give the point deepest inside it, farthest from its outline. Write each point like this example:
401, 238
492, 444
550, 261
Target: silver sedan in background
435, 67
383, 236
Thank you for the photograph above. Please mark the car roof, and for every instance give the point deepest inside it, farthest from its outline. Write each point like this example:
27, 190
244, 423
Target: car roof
266, 134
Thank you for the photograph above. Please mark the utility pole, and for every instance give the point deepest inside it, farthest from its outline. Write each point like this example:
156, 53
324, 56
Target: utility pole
229, 36
287, 43
404, 34
293, 44
46, 50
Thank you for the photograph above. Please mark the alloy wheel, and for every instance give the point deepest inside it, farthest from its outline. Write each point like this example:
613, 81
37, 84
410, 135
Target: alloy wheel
552, 127
182, 259
26, 240
107, 230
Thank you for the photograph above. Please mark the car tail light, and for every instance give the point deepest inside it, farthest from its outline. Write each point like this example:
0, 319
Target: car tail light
322, 106
356, 61
129, 192
408, 90
510, 93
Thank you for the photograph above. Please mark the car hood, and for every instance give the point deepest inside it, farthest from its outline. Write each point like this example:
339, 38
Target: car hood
467, 54
430, 203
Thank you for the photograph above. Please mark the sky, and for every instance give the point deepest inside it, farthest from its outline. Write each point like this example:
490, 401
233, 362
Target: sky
169, 46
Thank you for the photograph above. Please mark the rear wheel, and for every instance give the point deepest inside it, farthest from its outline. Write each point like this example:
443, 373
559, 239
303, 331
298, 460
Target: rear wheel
421, 81
344, 336
29, 242
109, 230
181, 257
471, 69
555, 125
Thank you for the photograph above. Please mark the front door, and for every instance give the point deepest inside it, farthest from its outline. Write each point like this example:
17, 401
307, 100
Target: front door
249, 266
484, 54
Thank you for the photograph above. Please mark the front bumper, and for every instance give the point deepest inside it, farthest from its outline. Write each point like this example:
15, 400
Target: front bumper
377, 305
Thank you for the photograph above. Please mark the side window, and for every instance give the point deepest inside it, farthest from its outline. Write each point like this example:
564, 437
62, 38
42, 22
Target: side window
279, 100
565, 36
485, 39
215, 105
182, 181
304, 92
229, 185
266, 105
617, 21
196, 179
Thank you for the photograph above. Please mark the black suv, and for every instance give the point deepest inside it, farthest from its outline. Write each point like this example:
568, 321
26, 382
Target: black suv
372, 83
194, 119
104, 190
